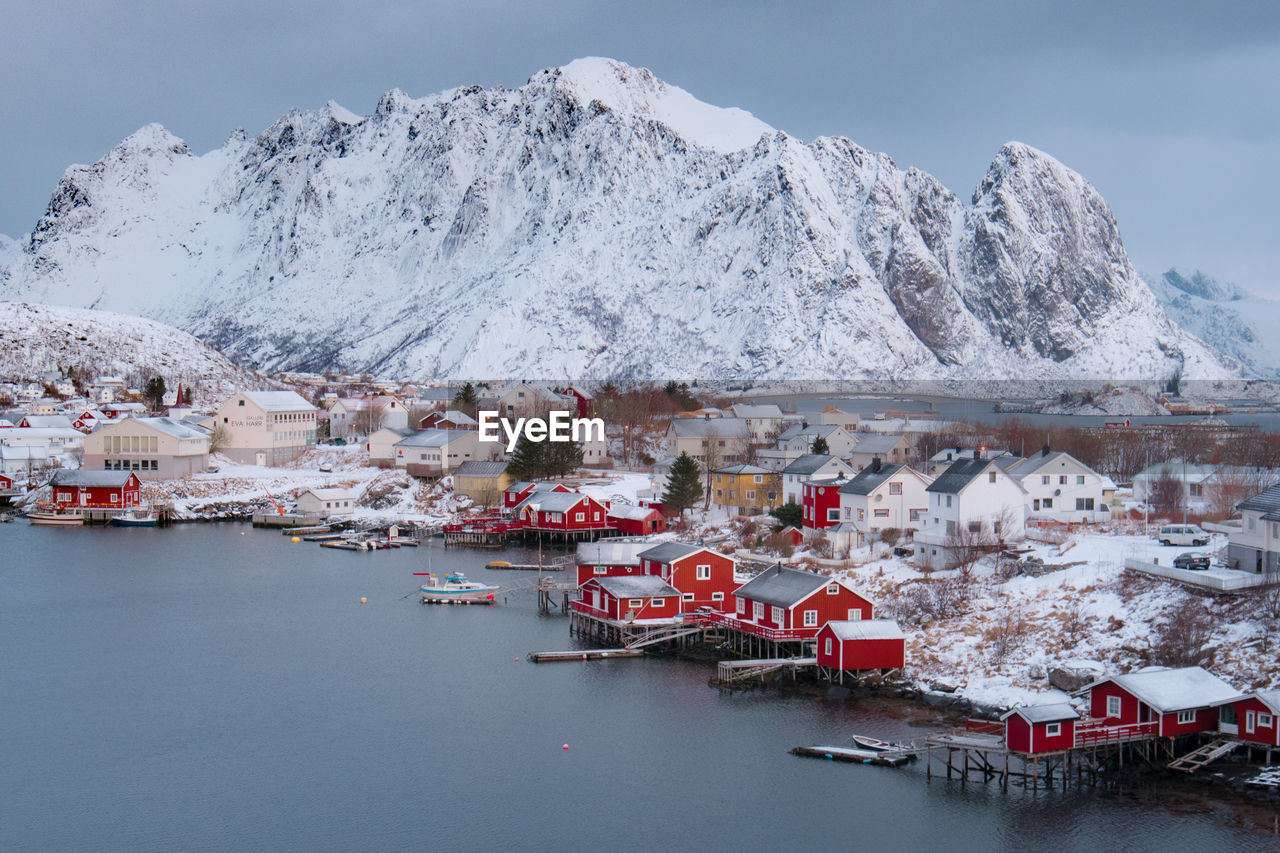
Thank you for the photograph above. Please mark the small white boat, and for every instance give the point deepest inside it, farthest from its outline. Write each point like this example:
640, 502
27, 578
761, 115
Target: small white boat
872, 744
51, 515
456, 587
136, 517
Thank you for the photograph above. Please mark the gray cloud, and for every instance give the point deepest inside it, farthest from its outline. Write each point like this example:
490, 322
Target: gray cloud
1170, 109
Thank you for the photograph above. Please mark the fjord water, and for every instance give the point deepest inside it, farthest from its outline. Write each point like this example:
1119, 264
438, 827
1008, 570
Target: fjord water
213, 687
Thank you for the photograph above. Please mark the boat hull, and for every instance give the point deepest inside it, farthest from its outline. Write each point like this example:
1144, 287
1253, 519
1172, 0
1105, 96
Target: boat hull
55, 518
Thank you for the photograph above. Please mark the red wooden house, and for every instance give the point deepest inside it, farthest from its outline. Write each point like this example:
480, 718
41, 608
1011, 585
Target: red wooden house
1036, 729
793, 535
704, 577
1257, 717
609, 558
584, 403
516, 493
1176, 701
796, 602
87, 420
95, 489
820, 500
563, 512
859, 644
637, 520
627, 599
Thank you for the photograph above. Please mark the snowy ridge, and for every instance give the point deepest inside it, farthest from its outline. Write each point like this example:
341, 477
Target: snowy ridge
1224, 316
597, 222
35, 339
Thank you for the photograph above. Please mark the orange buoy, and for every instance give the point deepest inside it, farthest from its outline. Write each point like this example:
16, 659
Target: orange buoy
364, 601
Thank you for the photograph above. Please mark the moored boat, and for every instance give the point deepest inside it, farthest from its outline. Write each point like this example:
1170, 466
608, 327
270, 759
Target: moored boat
136, 517
871, 743
52, 515
456, 587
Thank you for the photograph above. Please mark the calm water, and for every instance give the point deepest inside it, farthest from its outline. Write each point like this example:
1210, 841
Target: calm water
213, 687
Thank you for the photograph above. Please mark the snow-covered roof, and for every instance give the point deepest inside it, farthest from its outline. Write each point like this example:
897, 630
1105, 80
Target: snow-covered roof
782, 587
668, 551
1268, 501
808, 463
1054, 713
48, 421
177, 429
710, 427
1029, 466
279, 401
762, 410
866, 629
636, 586
480, 468
743, 469
548, 501
332, 494
85, 478
611, 553
867, 480
1181, 689
1270, 698
877, 442
628, 511
433, 438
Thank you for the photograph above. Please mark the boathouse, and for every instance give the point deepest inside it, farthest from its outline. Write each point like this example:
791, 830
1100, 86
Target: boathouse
609, 558
1257, 718
562, 512
704, 577
796, 603
516, 493
627, 599
95, 489
1174, 701
1036, 729
856, 645
637, 520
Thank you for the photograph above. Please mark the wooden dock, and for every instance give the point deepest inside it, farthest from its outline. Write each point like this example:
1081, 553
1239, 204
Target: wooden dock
735, 673
583, 654
504, 566
857, 756
428, 598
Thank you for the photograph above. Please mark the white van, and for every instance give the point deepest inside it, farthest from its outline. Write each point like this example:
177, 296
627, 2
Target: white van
1182, 534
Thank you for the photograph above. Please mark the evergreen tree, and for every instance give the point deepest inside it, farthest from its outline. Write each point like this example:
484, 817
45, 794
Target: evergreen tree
789, 514
528, 459
465, 400
561, 458
684, 485
154, 392
820, 446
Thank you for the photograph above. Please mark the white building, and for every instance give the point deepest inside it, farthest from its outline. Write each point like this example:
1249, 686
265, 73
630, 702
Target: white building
350, 416
1060, 488
764, 422
265, 427
973, 503
811, 466
327, 503
1255, 547
881, 497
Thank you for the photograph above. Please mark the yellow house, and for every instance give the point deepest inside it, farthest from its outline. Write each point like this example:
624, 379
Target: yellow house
483, 482
746, 489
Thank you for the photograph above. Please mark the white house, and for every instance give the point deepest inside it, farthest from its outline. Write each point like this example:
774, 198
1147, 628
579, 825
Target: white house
1255, 547
974, 502
889, 448
885, 496
833, 416
724, 440
811, 466
363, 415
764, 421
1061, 488
797, 439
939, 461
381, 446
264, 427
327, 502
437, 452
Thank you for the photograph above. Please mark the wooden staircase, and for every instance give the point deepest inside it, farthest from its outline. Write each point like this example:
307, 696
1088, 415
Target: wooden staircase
1206, 754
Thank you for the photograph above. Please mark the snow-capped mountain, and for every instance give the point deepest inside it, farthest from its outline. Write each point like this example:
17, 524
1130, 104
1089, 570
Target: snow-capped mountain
1224, 316
36, 339
599, 222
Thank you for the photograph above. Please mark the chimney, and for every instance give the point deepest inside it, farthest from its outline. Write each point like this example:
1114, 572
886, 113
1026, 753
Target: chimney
977, 454
875, 464
1044, 451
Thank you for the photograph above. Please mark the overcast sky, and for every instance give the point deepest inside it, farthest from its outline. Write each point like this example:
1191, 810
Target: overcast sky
1172, 110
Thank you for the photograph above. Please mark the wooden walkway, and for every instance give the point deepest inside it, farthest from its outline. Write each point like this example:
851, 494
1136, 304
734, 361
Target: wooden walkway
735, 672
1206, 754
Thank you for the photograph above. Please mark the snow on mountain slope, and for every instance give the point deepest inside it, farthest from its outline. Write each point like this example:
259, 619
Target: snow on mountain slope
598, 222
35, 339
1224, 316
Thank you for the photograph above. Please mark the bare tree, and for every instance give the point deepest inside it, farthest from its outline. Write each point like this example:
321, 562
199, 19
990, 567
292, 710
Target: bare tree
712, 454
967, 543
1166, 494
1183, 639
369, 419
218, 437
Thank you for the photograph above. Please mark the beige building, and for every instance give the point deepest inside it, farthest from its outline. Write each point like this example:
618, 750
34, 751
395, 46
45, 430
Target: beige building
482, 482
327, 502
436, 452
265, 427
154, 448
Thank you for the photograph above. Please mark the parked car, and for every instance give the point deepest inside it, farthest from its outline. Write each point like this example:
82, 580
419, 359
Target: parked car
1196, 562
326, 467
903, 551
211, 469
1183, 534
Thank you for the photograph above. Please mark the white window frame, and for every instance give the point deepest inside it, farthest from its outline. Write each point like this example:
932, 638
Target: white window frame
717, 596
757, 609
777, 615
833, 513
827, 647
833, 589
687, 596
1250, 722
658, 602
635, 603
599, 570
811, 619
703, 572
1186, 717
1264, 720
855, 614
579, 516
1053, 729
1115, 707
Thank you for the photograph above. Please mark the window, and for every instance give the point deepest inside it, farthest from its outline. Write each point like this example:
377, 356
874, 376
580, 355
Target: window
741, 606
1044, 480
776, 614
703, 573
991, 476
1080, 479
951, 527
862, 513
996, 527
811, 618
658, 602
847, 511
240, 404
833, 589
895, 488
1047, 503
1035, 505
115, 499
1195, 490
855, 614
717, 596
751, 495
759, 478
833, 513
1113, 706
1186, 716
1062, 479
1084, 503
948, 500
578, 516
1264, 721
635, 603
758, 609
1053, 729
915, 514
826, 649
600, 570
1250, 721
881, 513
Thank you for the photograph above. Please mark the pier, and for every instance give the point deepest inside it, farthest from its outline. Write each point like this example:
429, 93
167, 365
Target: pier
583, 654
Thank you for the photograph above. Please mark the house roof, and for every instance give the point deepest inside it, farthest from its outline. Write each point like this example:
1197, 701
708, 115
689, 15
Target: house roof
332, 494
278, 401
810, 431
453, 416
705, 427
1054, 713
1268, 501
958, 475
48, 421
764, 410
81, 477
1182, 689
549, 501
877, 442
637, 586
743, 469
669, 551
867, 481
480, 468
433, 438
1026, 467
808, 463
606, 553
782, 587
177, 429
634, 513
866, 629
1270, 698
